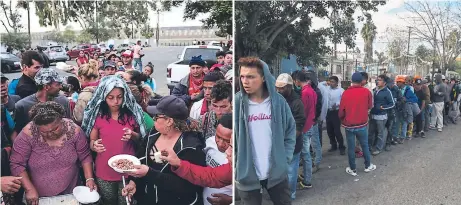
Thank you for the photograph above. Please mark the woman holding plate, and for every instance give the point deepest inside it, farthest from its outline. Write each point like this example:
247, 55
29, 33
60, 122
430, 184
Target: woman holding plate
158, 184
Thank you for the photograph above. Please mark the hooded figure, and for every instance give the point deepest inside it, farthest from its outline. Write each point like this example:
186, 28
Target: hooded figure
283, 138
105, 86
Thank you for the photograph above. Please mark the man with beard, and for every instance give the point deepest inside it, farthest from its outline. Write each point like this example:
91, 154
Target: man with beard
127, 58
189, 87
49, 84
284, 85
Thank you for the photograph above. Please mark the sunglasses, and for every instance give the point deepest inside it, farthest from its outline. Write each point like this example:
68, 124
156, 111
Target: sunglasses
156, 117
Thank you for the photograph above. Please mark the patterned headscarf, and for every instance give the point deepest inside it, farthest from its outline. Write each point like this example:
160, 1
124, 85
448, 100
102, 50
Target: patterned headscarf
106, 85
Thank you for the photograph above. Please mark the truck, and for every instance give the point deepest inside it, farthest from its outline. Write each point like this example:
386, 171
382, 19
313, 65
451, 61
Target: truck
180, 69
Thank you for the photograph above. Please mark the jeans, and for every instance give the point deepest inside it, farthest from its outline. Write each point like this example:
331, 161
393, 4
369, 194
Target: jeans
427, 117
320, 126
280, 195
306, 154
378, 134
315, 142
419, 121
362, 136
137, 61
293, 174
334, 130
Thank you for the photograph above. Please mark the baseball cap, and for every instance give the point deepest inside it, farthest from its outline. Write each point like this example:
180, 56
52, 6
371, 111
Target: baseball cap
170, 106
2, 76
229, 75
109, 63
357, 77
443, 77
283, 80
127, 53
418, 81
47, 76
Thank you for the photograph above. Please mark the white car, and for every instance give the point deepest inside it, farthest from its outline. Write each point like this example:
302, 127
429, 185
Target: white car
180, 69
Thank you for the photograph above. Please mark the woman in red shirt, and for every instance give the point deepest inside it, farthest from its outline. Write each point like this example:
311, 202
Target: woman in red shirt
81, 59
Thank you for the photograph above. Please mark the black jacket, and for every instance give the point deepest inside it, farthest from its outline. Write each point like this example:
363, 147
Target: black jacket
318, 105
26, 86
297, 109
164, 187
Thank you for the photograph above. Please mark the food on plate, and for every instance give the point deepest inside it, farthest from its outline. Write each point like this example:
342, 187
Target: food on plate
123, 164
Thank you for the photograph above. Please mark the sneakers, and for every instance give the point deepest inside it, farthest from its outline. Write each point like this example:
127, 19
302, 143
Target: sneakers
422, 134
333, 149
370, 168
342, 152
439, 129
432, 128
302, 185
376, 152
351, 172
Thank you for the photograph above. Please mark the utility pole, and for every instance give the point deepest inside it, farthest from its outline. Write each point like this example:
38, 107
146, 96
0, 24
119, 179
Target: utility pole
157, 32
408, 48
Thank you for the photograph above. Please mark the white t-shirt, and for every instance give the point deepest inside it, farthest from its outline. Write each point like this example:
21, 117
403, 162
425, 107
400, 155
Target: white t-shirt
137, 51
259, 126
214, 158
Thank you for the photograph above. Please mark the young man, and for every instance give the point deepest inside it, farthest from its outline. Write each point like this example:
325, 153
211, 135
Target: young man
439, 98
383, 101
199, 108
353, 113
189, 87
333, 123
228, 59
7, 113
409, 108
265, 135
127, 58
284, 85
49, 84
137, 55
422, 103
31, 63
215, 151
392, 119
109, 68
221, 104
220, 55
309, 99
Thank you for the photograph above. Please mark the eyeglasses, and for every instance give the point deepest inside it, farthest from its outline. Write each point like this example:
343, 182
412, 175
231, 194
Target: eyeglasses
156, 117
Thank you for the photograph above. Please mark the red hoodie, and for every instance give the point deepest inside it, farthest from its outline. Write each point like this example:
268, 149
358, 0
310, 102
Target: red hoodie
309, 98
217, 177
354, 106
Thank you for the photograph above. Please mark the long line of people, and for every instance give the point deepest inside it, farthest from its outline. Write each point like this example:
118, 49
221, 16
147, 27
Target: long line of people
276, 133
53, 142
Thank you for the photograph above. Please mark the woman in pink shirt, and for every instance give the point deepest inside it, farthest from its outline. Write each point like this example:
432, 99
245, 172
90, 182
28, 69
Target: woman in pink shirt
113, 121
47, 154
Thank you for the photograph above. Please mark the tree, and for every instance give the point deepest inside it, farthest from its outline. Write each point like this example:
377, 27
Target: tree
69, 35
12, 17
55, 36
147, 31
278, 28
438, 24
381, 57
24, 4
84, 37
220, 13
368, 34
423, 53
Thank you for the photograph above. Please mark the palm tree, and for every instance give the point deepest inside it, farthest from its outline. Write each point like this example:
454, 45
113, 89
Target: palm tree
368, 34
24, 4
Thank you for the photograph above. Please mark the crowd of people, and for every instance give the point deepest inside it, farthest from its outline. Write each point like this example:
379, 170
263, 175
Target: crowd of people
59, 133
279, 123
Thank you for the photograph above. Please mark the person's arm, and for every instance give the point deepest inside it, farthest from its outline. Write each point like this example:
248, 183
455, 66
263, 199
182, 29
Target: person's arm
178, 91
20, 154
342, 108
298, 114
217, 177
389, 104
290, 133
370, 101
80, 106
84, 154
172, 182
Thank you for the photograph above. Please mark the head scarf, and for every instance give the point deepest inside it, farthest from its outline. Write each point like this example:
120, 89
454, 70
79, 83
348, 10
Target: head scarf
105, 86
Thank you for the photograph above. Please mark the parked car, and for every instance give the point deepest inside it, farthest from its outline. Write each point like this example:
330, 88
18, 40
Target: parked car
9, 62
88, 49
179, 69
55, 53
124, 46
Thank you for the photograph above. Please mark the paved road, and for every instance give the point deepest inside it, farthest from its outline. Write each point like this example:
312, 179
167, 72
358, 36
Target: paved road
421, 171
159, 56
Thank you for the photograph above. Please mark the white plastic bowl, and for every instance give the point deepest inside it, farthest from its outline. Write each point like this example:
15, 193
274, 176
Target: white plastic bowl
134, 159
84, 195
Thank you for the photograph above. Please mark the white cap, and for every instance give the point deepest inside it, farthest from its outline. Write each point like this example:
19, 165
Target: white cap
229, 74
443, 77
283, 80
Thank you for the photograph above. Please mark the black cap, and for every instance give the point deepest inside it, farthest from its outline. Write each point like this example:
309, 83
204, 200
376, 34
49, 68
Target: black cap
170, 106
2, 76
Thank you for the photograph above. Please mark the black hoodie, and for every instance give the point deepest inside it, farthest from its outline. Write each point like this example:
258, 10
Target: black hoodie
164, 187
297, 109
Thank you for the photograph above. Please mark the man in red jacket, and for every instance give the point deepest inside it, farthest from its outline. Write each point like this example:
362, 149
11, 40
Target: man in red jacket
353, 112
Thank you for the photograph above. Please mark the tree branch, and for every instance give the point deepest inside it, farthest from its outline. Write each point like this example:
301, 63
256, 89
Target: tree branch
5, 26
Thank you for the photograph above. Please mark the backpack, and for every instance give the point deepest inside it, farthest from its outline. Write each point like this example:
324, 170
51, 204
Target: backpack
12, 86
